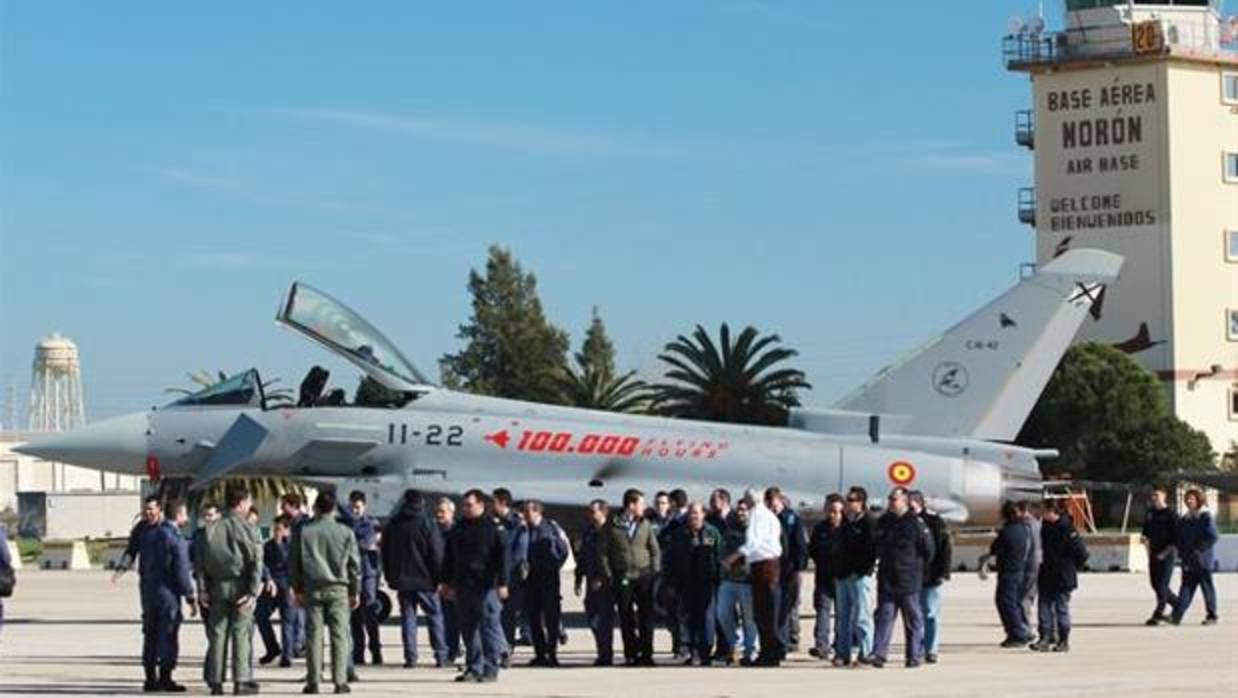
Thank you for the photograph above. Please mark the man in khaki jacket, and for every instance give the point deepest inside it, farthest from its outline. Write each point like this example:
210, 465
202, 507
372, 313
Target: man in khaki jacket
229, 562
630, 557
325, 572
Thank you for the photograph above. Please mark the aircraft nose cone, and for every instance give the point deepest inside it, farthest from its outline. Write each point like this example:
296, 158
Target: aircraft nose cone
117, 444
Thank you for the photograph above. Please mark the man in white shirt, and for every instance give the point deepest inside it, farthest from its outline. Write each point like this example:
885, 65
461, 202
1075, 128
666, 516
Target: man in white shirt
761, 549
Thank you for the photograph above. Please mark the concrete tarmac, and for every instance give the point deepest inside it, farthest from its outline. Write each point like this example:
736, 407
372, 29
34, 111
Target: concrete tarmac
76, 633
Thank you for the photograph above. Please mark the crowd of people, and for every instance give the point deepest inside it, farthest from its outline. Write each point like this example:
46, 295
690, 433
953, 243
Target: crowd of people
722, 576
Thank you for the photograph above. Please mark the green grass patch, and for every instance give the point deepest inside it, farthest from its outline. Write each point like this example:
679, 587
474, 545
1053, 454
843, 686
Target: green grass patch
30, 549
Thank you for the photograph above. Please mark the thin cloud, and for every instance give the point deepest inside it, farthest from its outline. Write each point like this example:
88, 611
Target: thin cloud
221, 260
500, 134
979, 163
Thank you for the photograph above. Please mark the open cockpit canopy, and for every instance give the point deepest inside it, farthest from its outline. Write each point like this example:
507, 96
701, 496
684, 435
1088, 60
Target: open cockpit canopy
337, 327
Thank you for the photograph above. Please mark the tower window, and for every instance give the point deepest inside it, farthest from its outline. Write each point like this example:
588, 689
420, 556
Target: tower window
1233, 404
1231, 245
1231, 325
1231, 167
1229, 88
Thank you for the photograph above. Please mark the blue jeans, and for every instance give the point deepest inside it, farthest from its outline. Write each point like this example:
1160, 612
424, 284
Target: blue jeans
930, 608
823, 604
1009, 599
482, 630
735, 604
600, 611
913, 625
428, 602
1192, 578
1053, 616
853, 626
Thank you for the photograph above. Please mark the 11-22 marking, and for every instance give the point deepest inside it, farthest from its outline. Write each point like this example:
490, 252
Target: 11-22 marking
434, 434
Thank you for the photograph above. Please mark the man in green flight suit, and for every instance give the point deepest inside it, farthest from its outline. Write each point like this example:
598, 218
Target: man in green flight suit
229, 561
324, 568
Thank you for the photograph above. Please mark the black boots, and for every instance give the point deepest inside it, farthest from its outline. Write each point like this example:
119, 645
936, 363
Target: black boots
151, 684
166, 684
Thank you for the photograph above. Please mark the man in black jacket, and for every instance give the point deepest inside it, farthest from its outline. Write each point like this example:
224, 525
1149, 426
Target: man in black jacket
1160, 530
475, 576
1064, 553
825, 547
693, 564
904, 547
412, 552
936, 572
854, 626
599, 593
1013, 551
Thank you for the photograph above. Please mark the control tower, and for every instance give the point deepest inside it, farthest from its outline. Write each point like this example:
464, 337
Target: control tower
1134, 130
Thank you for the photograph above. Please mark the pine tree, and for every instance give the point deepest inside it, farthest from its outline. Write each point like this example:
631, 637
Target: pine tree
511, 350
597, 351
594, 384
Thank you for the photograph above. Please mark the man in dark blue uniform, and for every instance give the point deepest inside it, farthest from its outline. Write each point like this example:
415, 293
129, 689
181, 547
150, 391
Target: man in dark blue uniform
165, 580
511, 617
1013, 550
365, 617
794, 561
275, 559
1159, 534
599, 594
546, 550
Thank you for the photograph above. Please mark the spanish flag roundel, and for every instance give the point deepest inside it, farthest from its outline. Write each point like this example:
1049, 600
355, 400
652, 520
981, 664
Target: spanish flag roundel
901, 472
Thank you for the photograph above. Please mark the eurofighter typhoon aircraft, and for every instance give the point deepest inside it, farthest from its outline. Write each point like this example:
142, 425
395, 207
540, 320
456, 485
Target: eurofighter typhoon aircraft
939, 420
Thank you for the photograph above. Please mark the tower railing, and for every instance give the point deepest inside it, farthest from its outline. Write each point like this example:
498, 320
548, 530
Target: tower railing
1103, 42
1027, 205
1025, 129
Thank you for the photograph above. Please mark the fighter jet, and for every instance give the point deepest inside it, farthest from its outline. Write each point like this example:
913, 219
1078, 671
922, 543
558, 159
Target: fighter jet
939, 420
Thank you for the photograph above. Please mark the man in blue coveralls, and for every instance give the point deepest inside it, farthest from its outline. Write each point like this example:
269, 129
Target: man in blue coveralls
165, 580
365, 617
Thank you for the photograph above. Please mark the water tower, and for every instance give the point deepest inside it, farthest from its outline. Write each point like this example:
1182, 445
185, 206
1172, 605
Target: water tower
56, 386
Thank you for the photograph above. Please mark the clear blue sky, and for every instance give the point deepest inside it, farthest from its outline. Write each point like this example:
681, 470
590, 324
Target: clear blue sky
843, 174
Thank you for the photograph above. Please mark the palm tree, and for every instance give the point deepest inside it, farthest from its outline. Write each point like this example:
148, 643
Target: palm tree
729, 382
598, 389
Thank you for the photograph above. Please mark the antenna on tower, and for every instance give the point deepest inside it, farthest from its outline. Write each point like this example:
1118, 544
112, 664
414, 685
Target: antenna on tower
1016, 25
56, 386
10, 406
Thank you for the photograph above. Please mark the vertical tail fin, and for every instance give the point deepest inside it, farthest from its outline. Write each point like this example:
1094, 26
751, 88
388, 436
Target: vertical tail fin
983, 376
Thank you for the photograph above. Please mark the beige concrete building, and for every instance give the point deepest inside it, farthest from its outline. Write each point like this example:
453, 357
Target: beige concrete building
1134, 128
